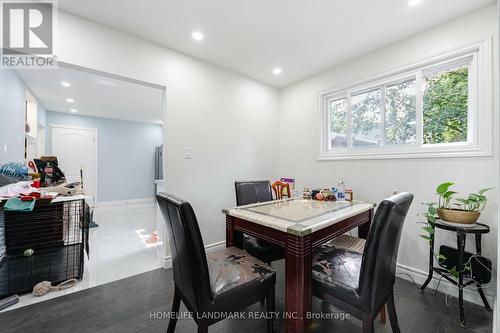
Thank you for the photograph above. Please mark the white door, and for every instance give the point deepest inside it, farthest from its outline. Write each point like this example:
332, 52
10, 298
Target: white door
40, 141
75, 149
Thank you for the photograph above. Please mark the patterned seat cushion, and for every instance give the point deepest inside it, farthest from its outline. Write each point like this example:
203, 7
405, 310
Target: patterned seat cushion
338, 263
232, 267
349, 243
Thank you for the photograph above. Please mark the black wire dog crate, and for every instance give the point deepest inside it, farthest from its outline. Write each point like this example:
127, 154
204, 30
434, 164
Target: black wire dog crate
46, 244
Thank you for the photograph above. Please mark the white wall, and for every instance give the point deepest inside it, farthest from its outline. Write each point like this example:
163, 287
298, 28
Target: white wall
125, 154
12, 114
375, 179
226, 118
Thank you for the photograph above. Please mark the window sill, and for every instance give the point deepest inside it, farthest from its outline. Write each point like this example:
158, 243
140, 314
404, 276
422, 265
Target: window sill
442, 153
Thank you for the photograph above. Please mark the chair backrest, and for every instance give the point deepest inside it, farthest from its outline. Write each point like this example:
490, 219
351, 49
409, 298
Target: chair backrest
279, 189
378, 269
252, 192
189, 261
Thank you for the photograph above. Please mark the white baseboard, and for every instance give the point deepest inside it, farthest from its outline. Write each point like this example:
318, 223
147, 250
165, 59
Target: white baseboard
470, 293
209, 247
165, 261
142, 201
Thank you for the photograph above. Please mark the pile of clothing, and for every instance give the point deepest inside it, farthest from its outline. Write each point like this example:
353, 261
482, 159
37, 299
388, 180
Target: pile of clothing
45, 181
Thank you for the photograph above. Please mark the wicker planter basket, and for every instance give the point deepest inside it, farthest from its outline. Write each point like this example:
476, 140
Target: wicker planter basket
458, 216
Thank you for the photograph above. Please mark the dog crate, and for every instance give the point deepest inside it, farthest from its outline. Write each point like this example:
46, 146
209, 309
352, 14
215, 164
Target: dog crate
46, 244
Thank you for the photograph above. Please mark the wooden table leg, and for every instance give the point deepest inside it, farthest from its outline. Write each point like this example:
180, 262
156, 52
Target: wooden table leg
233, 237
365, 228
229, 231
298, 284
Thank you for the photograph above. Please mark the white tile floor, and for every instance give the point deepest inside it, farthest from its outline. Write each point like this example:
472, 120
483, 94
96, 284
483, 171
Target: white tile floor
118, 249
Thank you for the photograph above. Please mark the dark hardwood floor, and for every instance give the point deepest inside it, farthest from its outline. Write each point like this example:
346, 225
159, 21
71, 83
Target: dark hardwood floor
127, 305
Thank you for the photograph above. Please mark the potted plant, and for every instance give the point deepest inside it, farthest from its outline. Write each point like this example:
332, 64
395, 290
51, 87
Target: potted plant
431, 217
459, 210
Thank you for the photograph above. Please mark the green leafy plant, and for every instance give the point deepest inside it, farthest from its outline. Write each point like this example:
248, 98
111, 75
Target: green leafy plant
474, 202
445, 195
428, 228
431, 216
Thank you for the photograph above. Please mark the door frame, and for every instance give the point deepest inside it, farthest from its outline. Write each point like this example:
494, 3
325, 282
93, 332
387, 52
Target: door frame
96, 150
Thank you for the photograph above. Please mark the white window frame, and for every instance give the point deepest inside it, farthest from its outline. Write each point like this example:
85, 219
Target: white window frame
479, 124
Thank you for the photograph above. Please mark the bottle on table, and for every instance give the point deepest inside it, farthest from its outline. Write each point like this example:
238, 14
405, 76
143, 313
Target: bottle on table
341, 191
348, 194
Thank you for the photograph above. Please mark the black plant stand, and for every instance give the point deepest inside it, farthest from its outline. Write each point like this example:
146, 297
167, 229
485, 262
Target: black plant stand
477, 229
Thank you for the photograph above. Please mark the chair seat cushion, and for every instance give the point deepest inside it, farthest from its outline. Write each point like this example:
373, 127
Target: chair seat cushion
261, 249
338, 262
232, 267
348, 243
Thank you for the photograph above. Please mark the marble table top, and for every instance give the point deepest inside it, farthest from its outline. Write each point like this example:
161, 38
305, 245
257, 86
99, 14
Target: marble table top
299, 216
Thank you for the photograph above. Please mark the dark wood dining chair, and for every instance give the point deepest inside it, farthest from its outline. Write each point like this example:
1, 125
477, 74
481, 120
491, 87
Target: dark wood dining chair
355, 244
223, 281
362, 283
249, 192
281, 189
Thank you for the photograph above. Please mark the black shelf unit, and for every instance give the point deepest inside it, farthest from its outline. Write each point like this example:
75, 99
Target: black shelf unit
464, 279
56, 232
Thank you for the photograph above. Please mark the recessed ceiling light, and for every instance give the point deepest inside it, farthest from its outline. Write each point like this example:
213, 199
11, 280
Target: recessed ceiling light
277, 71
197, 36
65, 84
70, 100
73, 110
413, 3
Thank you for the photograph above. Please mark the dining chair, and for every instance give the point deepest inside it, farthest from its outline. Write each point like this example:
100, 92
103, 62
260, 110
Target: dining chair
281, 189
362, 283
222, 281
249, 192
355, 244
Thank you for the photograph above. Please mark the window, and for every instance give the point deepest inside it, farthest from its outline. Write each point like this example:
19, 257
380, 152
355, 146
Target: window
365, 110
445, 113
401, 113
437, 108
338, 124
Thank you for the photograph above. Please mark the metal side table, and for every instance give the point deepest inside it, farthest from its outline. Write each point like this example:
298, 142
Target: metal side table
478, 230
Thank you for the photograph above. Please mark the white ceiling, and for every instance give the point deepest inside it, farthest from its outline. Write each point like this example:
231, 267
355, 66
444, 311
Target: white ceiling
94, 95
254, 36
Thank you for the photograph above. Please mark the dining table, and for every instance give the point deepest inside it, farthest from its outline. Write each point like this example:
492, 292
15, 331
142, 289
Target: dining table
299, 226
